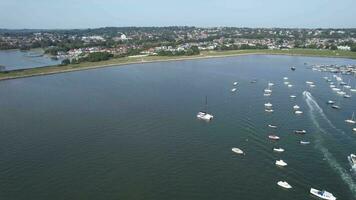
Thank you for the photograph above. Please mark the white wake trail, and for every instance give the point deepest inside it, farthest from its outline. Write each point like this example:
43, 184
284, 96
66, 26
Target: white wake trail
313, 106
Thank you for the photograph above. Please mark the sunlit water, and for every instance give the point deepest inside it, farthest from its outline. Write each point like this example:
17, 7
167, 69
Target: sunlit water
130, 132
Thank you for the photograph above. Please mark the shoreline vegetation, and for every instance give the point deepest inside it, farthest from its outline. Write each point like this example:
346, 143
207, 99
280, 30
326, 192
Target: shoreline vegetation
48, 70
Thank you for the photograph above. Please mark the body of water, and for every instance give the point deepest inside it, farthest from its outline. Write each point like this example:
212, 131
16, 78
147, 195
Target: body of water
16, 59
131, 132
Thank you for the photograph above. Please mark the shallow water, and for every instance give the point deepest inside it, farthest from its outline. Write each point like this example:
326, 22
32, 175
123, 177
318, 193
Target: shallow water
16, 59
130, 132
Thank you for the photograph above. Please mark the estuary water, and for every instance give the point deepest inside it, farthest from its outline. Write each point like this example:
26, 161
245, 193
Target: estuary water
16, 59
131, 132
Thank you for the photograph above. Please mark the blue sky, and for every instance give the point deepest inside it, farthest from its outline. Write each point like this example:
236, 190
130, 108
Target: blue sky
240, 13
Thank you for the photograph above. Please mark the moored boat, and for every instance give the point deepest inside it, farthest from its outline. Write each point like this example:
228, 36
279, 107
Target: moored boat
284, 184
304, 142
322, 194
300, 132
272, 126
273, 137
281, 163
237, 150
298, 112
280, 150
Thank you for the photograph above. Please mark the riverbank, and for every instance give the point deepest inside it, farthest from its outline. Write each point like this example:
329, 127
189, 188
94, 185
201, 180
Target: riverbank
137, 60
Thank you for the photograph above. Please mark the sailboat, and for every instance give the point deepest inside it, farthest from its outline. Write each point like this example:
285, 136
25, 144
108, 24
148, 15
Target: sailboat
348, 85
352, 120
204, 115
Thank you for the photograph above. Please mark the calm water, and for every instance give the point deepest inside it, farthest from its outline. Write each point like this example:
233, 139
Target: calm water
130, 133
16, 59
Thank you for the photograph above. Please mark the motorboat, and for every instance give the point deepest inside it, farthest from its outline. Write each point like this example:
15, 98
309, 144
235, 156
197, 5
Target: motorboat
347, 96
267, 94
353, 89
281, 163
204, 115
296, 107
336, 107
285, 78
298, 112
300, 132
322, 194
341, 92
312, 85
235, 83
284, 184
233, 89
330, 102
332, 86
290, 85
273, 137
280, 150
269, 110
304, 142
352, 160
336, 89
309, 82
267, 90
352, 119
268, 104
237, 150
272, 126
292, 96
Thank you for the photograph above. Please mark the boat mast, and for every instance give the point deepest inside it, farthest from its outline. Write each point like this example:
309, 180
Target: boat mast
206, 104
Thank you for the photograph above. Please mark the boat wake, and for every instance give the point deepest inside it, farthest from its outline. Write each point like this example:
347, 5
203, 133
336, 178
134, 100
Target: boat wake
314, 109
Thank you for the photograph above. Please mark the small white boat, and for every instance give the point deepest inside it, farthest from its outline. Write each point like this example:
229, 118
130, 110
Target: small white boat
352, 160
270, 84
347, 96
300, 132
269, 110
332, 86
273, 137
233, 89
335, 106
309, 82
312, 85
322, 194
341, 92
281, 163
298, 112
351, 120
296, 107
336, 89
304, 142
235, 83
286, 82
268, 104
272, 126
204, 116
354, 129
330, 102
267, 94
292, 96
285, 78
237, 150
347, 86
280, 150
284, 184
290, 85
353, 90
268, 90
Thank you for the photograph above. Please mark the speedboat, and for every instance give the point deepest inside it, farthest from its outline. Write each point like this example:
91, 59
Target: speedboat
268, 104
296, 107
278, 150
269, 110
298, 112
352, 159
322, 194
235, 83
272, 126
273, 137
237, 150
330, 102
352, 120
304, 142
292, 96
300, 131
205, 116
233, 89
281, 163
284, 184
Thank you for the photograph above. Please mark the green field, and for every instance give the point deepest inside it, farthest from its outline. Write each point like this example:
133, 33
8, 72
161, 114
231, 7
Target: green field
132, 60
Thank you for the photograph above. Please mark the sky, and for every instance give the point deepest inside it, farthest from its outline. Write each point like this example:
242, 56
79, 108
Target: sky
65, 14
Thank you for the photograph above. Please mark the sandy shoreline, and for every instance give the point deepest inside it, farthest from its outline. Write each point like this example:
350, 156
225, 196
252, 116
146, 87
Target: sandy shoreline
159, 60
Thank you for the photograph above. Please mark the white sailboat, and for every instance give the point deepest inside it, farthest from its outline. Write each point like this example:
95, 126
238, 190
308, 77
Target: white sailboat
352, 120
204, 115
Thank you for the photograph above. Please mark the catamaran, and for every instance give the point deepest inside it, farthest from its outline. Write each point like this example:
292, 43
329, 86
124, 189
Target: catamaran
322, 194
352, 120
204, 115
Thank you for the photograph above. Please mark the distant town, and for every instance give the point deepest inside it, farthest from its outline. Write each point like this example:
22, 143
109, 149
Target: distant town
77, 45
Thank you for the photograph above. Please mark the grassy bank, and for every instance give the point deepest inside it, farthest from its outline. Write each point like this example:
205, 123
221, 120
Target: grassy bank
131, 60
